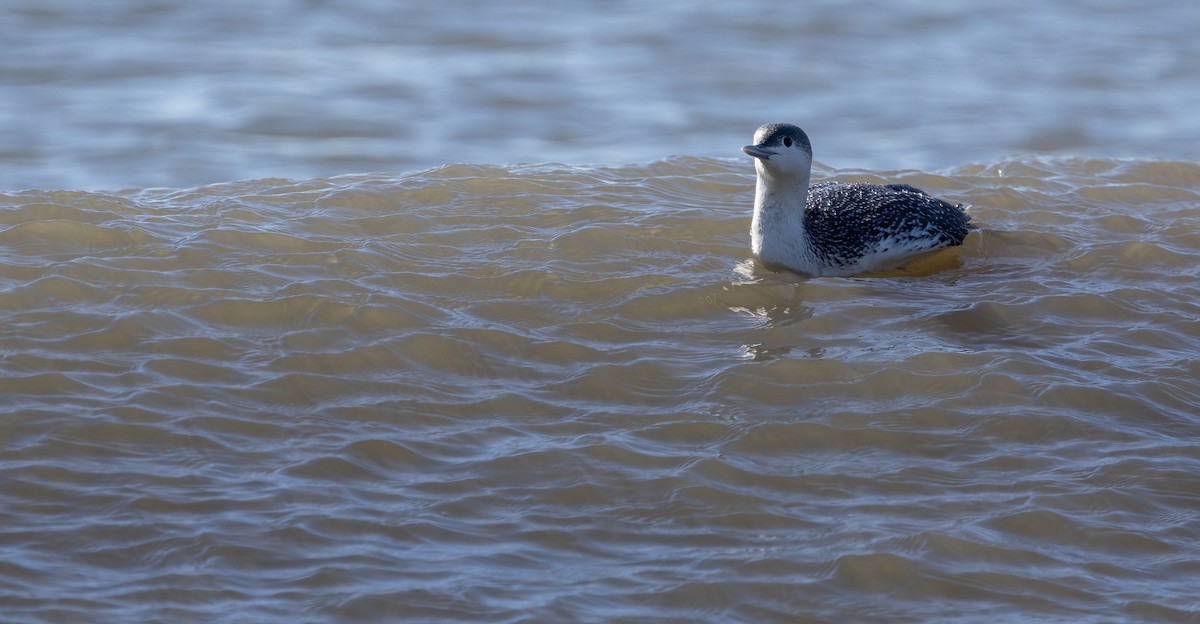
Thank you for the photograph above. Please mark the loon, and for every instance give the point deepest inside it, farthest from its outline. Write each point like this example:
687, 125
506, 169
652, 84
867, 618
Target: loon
836, 228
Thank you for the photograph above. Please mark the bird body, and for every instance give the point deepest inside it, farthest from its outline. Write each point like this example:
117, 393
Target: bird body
835, 228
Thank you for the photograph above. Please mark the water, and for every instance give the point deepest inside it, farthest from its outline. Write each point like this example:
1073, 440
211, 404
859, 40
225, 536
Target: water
252, 381
141, 93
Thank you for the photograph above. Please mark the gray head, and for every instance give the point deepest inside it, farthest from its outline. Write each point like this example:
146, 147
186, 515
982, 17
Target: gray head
773, 139
781, 154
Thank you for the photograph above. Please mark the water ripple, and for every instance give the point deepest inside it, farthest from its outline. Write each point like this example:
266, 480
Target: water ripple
381, 394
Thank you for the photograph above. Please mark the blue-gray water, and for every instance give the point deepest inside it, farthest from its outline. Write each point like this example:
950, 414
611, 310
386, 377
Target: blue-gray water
289, 333
139, 93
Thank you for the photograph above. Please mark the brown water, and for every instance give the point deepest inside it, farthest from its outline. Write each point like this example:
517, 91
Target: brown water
552, 393
263, 385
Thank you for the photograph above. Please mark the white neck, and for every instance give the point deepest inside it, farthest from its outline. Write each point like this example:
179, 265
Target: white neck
777, 232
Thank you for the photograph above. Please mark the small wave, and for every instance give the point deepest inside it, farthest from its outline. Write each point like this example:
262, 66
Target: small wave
582, 373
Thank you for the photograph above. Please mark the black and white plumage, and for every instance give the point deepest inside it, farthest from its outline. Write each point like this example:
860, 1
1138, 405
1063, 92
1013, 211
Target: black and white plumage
835, 228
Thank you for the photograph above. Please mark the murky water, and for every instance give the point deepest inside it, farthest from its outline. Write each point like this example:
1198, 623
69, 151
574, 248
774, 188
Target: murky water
527, 393
565, 393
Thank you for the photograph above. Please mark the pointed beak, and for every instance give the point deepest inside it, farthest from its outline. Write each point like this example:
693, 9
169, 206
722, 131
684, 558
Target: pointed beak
758, 152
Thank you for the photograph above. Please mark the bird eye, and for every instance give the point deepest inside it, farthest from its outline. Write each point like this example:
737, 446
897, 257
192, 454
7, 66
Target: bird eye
787, 141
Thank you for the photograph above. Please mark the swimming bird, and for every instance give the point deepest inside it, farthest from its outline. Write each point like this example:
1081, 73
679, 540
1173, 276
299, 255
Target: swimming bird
837, 228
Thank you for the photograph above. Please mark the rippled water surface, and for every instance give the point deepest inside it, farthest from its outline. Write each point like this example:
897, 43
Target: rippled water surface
244, 379
562, 393
139, 93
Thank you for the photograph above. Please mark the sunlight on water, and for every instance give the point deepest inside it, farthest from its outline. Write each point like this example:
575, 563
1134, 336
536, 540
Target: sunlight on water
571, 389
263, 384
